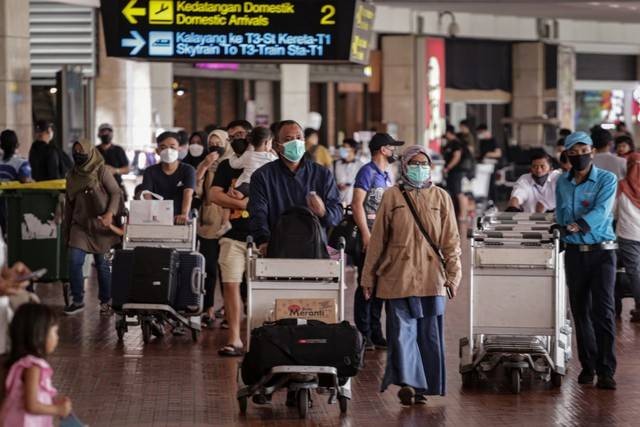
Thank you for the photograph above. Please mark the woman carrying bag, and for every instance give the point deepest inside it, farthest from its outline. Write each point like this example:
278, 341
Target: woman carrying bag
211, 215
93, 198
413, 262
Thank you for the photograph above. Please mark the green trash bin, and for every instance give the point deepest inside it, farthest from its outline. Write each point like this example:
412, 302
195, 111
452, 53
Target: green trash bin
34, 232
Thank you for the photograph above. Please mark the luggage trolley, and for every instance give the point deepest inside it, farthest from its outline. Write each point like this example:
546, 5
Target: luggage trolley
269, 279
183, 239
517, 304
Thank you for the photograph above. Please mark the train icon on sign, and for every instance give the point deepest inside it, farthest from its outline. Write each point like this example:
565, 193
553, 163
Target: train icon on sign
160, 43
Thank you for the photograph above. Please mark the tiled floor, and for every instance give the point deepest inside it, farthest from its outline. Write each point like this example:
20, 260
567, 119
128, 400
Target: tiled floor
174, 382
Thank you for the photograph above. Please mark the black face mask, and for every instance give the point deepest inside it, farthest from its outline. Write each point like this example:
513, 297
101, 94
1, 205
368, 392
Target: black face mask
215, 149
580, 162
540, 180
80, 158
239, 146
105, 139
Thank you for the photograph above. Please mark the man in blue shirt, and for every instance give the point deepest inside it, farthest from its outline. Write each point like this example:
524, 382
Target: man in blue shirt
371, 182
585, 197
292, 180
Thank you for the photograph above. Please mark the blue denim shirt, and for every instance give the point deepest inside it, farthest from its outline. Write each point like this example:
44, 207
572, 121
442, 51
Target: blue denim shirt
589, 204
274, 189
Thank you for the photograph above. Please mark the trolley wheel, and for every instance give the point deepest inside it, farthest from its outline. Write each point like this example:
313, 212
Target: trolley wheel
468, 379
344, 404
515, 381
146, 330
303, 403
195, 334
242, 403
120, 330
556, 379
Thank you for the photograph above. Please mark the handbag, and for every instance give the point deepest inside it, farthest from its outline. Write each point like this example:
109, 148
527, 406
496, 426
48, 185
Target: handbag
347, 229
434, 247
100, 198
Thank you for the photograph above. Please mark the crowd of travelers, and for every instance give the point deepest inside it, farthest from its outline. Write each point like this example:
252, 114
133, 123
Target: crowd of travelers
242, 178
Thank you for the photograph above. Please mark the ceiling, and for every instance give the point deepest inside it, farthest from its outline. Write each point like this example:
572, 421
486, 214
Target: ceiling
612, 11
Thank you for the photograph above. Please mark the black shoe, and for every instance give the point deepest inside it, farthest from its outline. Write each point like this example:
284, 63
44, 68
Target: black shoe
157, 329
379, 343
606, 382
368, 344
586, 377
74, 308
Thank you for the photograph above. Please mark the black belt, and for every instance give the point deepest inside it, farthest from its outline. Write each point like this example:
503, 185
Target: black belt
604, 246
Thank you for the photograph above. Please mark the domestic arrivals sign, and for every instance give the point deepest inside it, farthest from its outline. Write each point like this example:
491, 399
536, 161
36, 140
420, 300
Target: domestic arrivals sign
259, 30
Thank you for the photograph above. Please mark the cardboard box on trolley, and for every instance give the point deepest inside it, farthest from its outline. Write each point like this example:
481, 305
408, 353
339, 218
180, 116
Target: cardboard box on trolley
323, 309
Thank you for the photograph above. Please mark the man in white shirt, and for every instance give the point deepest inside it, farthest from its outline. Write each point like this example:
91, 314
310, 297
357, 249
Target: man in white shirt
603, 158
536, 191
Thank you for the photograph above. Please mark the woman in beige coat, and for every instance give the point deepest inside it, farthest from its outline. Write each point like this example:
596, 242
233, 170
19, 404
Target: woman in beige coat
93, 198
413, 278
211, 215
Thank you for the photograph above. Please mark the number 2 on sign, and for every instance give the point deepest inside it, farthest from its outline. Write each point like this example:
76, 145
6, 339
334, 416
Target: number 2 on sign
329, 12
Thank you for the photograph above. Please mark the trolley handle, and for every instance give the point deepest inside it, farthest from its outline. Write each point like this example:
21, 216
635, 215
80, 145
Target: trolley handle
196, 281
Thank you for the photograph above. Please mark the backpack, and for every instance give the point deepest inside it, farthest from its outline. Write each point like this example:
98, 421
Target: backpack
468, 163
298, 234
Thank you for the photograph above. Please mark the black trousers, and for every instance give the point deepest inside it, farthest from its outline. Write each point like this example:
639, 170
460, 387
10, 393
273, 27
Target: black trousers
210, 249
591, 283
366, 313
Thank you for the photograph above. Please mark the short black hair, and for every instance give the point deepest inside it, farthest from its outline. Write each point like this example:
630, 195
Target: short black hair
29, 330
625, 139
465, 122
168, 134
284, 123
43, 125
352, 143
259, 135
564, 132
600, 137
620, 125
183, 137
482, 127
450, 129
309, 132
242, 123
538, 155
8, 143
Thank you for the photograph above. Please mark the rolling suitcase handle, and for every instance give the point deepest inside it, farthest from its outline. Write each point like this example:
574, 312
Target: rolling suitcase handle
196, 281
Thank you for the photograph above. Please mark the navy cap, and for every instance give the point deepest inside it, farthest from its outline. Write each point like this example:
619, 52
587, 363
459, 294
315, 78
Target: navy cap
577, 138
380, 140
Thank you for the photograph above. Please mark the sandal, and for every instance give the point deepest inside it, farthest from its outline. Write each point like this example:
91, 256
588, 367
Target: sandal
207, 322
406, 395
420, 399
230, 351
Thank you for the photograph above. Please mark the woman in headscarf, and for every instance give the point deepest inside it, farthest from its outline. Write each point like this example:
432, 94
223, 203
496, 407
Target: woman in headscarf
93, 198
627, 212
211, 215
198, 149
403, 268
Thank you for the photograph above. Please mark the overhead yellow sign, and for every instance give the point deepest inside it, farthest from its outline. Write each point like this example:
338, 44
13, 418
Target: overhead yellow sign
130, 12
161, 12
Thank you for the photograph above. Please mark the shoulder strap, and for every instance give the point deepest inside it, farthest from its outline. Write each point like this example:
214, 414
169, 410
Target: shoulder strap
421, 227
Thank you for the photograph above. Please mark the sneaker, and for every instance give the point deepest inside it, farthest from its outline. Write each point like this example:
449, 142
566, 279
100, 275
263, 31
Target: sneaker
207, 322
105, 309
586, 377
73, 308
368, 344
606, 382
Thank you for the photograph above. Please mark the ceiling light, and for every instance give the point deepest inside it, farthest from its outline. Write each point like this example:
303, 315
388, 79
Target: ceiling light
53, 90
454, 29
368, 71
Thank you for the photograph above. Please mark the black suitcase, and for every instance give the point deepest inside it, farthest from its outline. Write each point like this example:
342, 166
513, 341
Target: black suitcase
121, 269
154, 276
192, 267
317, 343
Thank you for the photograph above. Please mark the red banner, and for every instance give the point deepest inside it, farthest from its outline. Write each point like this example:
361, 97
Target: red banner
435, 85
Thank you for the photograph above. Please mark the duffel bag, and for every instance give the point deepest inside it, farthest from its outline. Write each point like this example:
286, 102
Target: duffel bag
315, 343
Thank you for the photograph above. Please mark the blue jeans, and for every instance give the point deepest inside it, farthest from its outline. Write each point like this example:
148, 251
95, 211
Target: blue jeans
76, 262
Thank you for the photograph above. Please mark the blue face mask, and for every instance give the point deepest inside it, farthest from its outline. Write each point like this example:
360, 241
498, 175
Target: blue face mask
293, 150
344, 153
418, 174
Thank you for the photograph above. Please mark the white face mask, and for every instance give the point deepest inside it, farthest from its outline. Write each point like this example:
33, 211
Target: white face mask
196, 150
169, 155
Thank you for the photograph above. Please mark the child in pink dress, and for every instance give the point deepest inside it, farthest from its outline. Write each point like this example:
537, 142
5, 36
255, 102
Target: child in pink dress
31, 400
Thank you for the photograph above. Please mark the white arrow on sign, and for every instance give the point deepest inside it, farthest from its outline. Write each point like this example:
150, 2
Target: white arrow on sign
137, 43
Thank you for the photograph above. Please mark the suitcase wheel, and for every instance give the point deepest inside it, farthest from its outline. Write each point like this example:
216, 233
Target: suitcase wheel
556, 379
242, 403
121, 328
194, 335
303, 403
515, 381
146, 330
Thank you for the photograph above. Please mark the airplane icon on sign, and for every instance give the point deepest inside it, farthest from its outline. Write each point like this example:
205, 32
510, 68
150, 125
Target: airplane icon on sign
162, 9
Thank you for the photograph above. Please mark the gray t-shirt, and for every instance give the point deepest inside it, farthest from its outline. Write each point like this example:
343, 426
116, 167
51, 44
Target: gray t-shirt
612, 163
